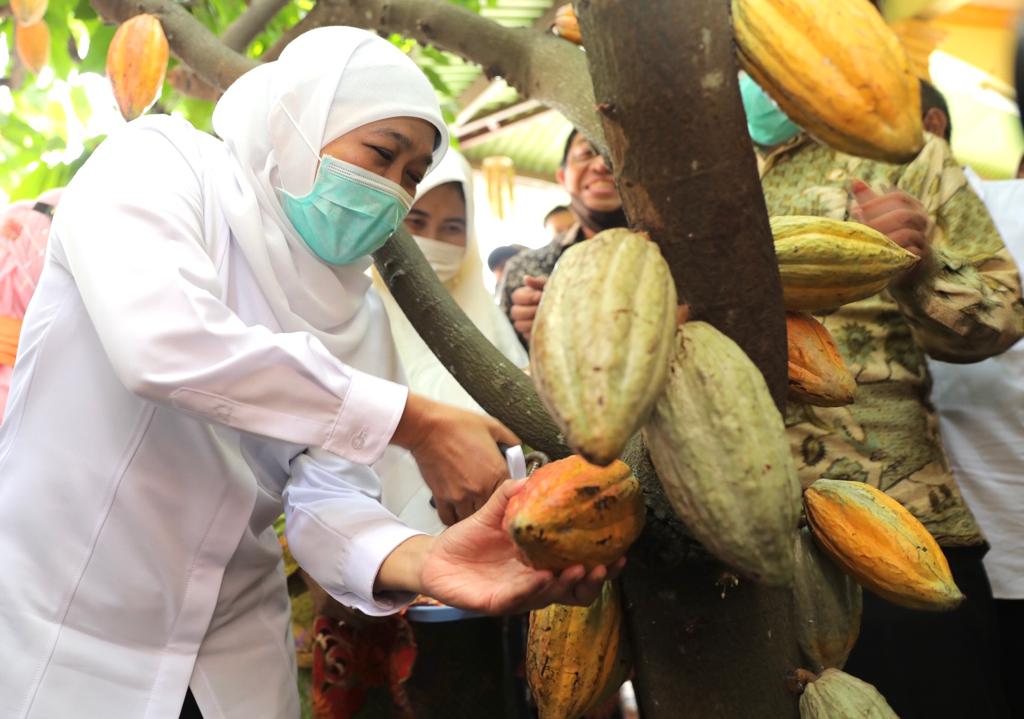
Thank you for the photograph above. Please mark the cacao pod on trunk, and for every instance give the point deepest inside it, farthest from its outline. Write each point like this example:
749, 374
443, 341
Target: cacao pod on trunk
837, 70
602, 340
576, 656
826, 263
817, 374
28, 12
32, 43
572, 512
719, 447
136, 64
566, 24
828, 607
880, 544
838, 695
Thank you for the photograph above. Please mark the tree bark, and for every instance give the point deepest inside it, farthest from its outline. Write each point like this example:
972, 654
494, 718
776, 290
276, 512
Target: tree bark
705, 642
495, 383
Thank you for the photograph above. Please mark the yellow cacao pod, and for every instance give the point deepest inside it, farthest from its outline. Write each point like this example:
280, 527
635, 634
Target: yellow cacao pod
837, 70
817, 374
32, 43
566, 24
880, 544
838, 695
602, 340
28, 12
573, 512
826, 263
576, 656
828, 606
136, 64
719, 446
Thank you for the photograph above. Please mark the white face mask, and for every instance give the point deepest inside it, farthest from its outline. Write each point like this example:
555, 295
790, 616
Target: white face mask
444, 257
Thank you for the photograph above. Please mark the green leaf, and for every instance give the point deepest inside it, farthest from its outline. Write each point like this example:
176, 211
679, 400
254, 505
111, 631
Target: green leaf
100, 36
80, 104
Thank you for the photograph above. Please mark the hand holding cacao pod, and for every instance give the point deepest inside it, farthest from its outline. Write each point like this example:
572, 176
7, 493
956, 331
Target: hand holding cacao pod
475, 565
896, 214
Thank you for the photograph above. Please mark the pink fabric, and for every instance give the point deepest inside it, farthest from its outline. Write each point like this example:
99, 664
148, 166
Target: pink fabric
23, 235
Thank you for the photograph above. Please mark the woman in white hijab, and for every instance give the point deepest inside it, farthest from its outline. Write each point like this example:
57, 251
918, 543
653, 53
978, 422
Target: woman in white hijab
200, 351
441, 222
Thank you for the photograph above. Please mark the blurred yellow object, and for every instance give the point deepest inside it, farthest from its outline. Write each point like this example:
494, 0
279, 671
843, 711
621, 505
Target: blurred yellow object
499, 174
919, 38
10, 329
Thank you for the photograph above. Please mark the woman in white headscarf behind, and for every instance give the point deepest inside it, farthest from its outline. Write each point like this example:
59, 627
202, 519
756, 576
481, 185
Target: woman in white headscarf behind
450, 246
200, 352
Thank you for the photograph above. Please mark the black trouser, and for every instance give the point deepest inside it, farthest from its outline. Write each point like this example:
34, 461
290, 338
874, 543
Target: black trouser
936, 665
1011, 646
190, 710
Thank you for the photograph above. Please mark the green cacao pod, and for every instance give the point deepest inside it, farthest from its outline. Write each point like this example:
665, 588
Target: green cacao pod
576, 656
837, 695
719, 446
828, 606
602, 340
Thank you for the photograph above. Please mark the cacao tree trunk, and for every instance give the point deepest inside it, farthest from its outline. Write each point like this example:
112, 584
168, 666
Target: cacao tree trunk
705, 643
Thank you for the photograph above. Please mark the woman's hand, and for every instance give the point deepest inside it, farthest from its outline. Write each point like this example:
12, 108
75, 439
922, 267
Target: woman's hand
457, 453
474, 565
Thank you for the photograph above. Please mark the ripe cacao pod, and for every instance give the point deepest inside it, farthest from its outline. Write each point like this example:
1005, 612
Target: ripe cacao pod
566, 25
719, 446
828, 607
880, 544
32, 43
837, 70
28, 12
576, 656
817, 374
838, 695
826, 263
602, 340
572, 512
136, 64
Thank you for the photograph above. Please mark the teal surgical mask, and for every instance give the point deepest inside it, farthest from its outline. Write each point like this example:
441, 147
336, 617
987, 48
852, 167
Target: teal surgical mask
767, 124
349, 212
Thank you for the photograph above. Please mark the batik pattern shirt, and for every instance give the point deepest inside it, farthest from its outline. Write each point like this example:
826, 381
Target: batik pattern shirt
966, 307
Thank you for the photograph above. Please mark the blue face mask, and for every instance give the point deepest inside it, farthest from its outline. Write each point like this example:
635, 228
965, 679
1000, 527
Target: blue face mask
767, 124
349, 213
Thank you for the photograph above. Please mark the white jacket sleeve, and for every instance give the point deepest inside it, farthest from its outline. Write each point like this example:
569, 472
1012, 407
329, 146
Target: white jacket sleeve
130, 231
338, 531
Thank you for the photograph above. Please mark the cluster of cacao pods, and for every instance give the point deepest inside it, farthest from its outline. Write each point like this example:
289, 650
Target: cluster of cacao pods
136, 64
31, 33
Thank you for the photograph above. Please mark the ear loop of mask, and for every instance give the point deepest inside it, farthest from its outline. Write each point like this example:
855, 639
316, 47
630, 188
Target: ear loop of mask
298, 130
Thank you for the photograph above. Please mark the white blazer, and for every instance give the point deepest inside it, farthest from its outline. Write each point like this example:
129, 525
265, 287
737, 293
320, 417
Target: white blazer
157, 424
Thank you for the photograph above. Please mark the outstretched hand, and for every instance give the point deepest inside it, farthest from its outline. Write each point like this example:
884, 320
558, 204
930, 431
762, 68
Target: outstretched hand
474, 565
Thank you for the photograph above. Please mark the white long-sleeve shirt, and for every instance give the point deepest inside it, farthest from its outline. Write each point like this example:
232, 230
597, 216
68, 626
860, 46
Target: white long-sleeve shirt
158, 422
981, 415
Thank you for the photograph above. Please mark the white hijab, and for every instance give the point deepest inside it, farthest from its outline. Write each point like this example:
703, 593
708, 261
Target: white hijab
327, 82
424, 372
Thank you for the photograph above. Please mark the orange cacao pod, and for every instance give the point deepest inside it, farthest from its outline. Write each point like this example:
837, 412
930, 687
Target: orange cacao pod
573, 512
28, 12
817, 374
566, 25
33, 44
136, 63
875, 540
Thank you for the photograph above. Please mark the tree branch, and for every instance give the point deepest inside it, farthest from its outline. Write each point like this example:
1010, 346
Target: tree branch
189, 39
537, 64
501, 388
237, 37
